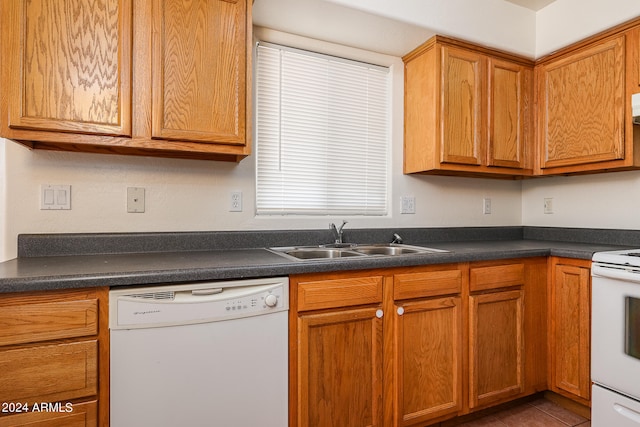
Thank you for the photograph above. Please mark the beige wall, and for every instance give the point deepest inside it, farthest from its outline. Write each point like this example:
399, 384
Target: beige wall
194, 195
190, 195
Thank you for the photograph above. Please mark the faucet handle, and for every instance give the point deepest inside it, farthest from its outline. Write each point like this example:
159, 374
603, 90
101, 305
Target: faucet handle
396, 239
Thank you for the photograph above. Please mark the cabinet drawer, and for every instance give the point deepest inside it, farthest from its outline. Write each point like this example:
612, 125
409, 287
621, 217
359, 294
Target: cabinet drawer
339, 293
79, 415
426, 284
497, 276
49, 373
46, 319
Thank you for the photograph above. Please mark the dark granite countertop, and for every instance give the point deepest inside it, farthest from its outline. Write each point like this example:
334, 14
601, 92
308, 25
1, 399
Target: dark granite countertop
47, 262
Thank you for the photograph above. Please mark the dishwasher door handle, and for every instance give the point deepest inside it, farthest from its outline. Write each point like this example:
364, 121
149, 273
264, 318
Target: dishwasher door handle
204, 292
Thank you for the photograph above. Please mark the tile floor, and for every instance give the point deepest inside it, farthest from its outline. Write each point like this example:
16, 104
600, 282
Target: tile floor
537, 413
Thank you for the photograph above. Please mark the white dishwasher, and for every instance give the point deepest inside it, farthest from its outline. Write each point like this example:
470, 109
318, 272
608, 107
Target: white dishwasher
205, 354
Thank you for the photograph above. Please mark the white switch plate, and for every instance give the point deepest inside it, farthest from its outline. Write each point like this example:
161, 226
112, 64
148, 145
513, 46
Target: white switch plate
548, 205
407, 205
236, 201
486, 206
55, 197
135, 199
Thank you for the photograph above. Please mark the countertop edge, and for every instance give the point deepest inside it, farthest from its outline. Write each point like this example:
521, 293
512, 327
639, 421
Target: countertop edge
460, 252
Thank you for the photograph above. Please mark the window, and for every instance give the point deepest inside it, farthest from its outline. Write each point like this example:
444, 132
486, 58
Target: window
322, 134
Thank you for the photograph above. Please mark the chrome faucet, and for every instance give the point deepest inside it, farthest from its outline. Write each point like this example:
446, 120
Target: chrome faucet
337, 231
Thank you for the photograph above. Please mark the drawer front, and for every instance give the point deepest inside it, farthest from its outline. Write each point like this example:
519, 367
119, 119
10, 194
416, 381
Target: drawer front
22, 322
497, 276
67, 415
49, 373
426, 284
346, 292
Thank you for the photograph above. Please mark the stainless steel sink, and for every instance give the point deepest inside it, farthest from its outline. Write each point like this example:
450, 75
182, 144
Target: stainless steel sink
313, 253
351, 250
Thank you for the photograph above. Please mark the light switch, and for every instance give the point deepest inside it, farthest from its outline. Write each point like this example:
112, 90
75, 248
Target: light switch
55, 197
62, 197
48, 196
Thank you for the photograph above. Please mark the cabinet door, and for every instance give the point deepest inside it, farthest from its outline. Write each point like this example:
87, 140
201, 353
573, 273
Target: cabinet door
581, 106
70, 65
570, 331
200, 70
428, 359
509, 99
495, 346
340, 368
461, 106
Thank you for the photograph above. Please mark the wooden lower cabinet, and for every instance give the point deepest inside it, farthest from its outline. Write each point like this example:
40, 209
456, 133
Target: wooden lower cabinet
336, 350
496, 346
340, 367
415, 346
570, 329
54, 358
428, 359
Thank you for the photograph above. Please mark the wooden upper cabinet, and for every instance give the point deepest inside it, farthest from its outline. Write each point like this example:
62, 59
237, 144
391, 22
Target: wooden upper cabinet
509, 128
583, 97
73, 83
199, 78
582, 106
468, 111
461, 106
69, 66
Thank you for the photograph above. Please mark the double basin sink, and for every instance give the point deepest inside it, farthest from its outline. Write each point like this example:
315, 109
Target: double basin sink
344, 250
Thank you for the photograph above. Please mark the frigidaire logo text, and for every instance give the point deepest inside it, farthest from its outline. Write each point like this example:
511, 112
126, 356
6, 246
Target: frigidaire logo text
136, 313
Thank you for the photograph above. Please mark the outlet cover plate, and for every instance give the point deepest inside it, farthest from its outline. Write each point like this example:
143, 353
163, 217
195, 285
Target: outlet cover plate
135, 200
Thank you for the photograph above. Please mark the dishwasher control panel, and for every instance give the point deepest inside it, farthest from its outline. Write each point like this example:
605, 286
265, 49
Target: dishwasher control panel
161, 306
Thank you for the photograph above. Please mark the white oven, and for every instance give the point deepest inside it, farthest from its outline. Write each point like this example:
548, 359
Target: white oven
615, 339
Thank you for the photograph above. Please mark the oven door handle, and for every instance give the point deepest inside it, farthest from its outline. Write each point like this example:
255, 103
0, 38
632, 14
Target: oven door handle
627, 413
620, 273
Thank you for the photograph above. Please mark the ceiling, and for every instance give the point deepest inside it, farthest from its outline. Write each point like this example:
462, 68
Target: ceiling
532, 4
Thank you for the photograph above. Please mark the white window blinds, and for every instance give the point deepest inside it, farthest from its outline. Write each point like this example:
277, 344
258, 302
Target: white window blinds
322, 134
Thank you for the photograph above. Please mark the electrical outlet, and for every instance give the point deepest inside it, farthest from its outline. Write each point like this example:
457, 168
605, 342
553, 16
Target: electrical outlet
407, 205
548, 205
486, 206
236, 201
